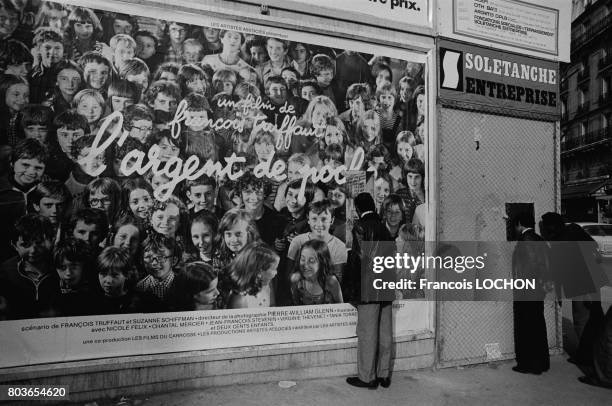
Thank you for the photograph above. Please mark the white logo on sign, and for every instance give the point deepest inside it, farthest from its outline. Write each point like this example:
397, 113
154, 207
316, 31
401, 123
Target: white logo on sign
449, 67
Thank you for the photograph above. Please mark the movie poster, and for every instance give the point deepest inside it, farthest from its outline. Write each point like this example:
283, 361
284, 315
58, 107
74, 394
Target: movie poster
171, 185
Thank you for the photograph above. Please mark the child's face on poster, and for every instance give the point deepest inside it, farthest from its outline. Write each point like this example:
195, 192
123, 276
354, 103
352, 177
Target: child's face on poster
357, 107
202, 197
208, 296
112, 282
36, 132
276, 50
325, 77
414, 180
202, 237
140, 203
70, 273
336, 197
86, 232
258, 54
277, 92
65, 138
51, 52
158, 263
320, 223
28, 171
17, 96
90, 109
253, 199
166, 221
8, 22
211, 34
309, 263
294, 202
122, 27
96, 74
404, 151
387, 101
50, 208
237, 236
127, 237
33, 251
83, 30
177, 32
145, 47
381, 190
308, 93
192, 53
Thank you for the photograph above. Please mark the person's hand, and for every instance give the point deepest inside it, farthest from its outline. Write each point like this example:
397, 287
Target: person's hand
291, 236
280, 244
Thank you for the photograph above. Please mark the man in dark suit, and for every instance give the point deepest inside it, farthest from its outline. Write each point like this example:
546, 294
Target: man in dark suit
578, 275
529, 261
374, 323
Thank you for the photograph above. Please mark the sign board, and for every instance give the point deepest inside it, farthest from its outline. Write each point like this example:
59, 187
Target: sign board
398, 13
541, 29
499, 82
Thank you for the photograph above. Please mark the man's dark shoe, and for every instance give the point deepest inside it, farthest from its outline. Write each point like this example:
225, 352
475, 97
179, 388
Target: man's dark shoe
594, 381
355, 381
384, 382
525, 370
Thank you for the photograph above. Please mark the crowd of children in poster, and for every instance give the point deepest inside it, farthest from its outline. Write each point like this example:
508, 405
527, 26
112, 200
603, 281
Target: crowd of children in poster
154, 166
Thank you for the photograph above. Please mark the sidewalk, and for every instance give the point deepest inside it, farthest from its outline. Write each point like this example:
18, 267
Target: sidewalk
494, 384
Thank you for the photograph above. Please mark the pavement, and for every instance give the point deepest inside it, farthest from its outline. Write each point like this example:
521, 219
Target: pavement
485, 384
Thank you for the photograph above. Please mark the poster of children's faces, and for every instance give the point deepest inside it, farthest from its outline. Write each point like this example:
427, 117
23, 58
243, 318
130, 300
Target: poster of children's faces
152, 165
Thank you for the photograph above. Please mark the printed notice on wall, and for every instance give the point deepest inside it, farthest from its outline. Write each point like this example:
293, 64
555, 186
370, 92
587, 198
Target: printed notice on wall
524, 25
67, 339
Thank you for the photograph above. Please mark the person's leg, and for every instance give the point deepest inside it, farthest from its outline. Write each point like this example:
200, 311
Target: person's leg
541, 355
385, 341
590, 332
367, 340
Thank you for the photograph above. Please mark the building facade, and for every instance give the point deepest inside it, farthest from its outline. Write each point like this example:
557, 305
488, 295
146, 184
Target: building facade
586, 113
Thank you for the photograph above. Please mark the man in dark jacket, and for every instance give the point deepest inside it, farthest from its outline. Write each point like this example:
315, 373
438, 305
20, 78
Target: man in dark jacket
374, 322
577, 275
529, 261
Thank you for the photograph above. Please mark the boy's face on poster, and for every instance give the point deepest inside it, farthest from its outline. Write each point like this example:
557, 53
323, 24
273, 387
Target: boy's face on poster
28, 171
237, 236
141, 129
276, 50
197, 85
50, 208
231, 41
394, 215
83, 30
387, 101
169, 76
208, 296
202, 197
22, 70
202, 237
90, 109
158, 180
70, 273
294, 202
211, 34
192, 53
86, 232
33, 251
68, 81
145, 47
414, 180
51, 52
197, 119
141, 80
36, 132
381, 190
357, 107
8, 22
258, 54
252, 198
336, 197
164, 102
308, 93
300, 53
294, 171
65, 138
420, 102
320, 223
96, 74
99, 200
177, 33
127, 237
404, 151
17, 96
325, 77
309, 263
277, 92
112, 282
120, 103
166, 221
140, 203
122, 27
96, 162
